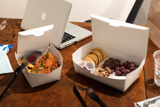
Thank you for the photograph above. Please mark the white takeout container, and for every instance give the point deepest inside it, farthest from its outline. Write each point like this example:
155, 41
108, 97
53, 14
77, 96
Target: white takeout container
38, 39
119, 40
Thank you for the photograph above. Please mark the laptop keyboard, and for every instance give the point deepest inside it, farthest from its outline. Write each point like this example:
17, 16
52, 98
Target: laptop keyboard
67, 37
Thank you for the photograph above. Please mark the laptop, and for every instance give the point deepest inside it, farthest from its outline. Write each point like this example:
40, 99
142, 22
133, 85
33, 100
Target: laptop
40, 13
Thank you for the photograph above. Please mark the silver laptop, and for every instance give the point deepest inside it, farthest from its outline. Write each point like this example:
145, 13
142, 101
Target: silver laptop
40, 13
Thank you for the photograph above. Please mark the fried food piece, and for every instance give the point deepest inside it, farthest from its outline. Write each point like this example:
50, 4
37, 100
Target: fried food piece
20, 61
49, 61
30, 66
46, 64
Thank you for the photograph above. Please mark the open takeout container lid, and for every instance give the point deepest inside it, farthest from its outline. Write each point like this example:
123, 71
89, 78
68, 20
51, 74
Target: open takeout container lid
33, 39
118, 40
38, 39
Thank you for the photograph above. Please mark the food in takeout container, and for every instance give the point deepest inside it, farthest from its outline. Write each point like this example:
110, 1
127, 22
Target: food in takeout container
39, 39
118, 40
38, 63
88, 65
116, 67
103, 71
95, 63
95, 57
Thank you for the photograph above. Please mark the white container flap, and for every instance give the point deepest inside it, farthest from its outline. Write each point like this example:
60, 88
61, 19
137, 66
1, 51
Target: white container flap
34, 39
119, 39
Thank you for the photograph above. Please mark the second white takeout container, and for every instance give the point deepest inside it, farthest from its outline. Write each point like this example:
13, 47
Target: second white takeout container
118, 40
38, 39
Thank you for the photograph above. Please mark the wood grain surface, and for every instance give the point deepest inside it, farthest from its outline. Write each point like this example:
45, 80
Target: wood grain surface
60, 93
152, 90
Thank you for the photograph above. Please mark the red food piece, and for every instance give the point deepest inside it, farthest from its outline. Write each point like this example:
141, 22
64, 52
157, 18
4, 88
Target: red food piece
122, 69
127, 71
84, 67
117, 68
132, 69
118, 73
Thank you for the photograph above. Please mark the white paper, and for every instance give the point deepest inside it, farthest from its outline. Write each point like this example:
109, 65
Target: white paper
141, 102
6, 66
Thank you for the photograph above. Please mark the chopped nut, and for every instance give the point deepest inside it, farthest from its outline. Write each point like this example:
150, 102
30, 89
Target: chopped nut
101, 69
108, 69
106, 72
96, 72
103, 73
106, 76
98, 68
100, 74
112, 70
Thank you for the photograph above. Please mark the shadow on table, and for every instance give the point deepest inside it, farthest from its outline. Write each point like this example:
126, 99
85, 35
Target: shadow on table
20, 85
150, 85
97, 86
79, 80
110, 91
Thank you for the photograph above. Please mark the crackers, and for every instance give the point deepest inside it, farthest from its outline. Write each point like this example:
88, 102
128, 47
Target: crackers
96, 55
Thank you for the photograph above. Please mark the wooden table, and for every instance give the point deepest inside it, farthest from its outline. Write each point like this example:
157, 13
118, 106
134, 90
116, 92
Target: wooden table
60, 93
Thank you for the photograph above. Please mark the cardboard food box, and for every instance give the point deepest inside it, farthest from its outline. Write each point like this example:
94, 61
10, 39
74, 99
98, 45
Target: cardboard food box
38, 39
119, 40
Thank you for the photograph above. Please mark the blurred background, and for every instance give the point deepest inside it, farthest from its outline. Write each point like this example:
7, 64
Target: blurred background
82, 9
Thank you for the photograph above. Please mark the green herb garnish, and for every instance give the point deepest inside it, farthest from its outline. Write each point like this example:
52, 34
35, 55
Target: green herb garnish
37, 71
22, 58
47, 55
42, 63
52, 68
37, 67
41, 68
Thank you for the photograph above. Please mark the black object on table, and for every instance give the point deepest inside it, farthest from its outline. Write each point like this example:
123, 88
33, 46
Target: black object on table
79, 96
16, 72
95, 97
